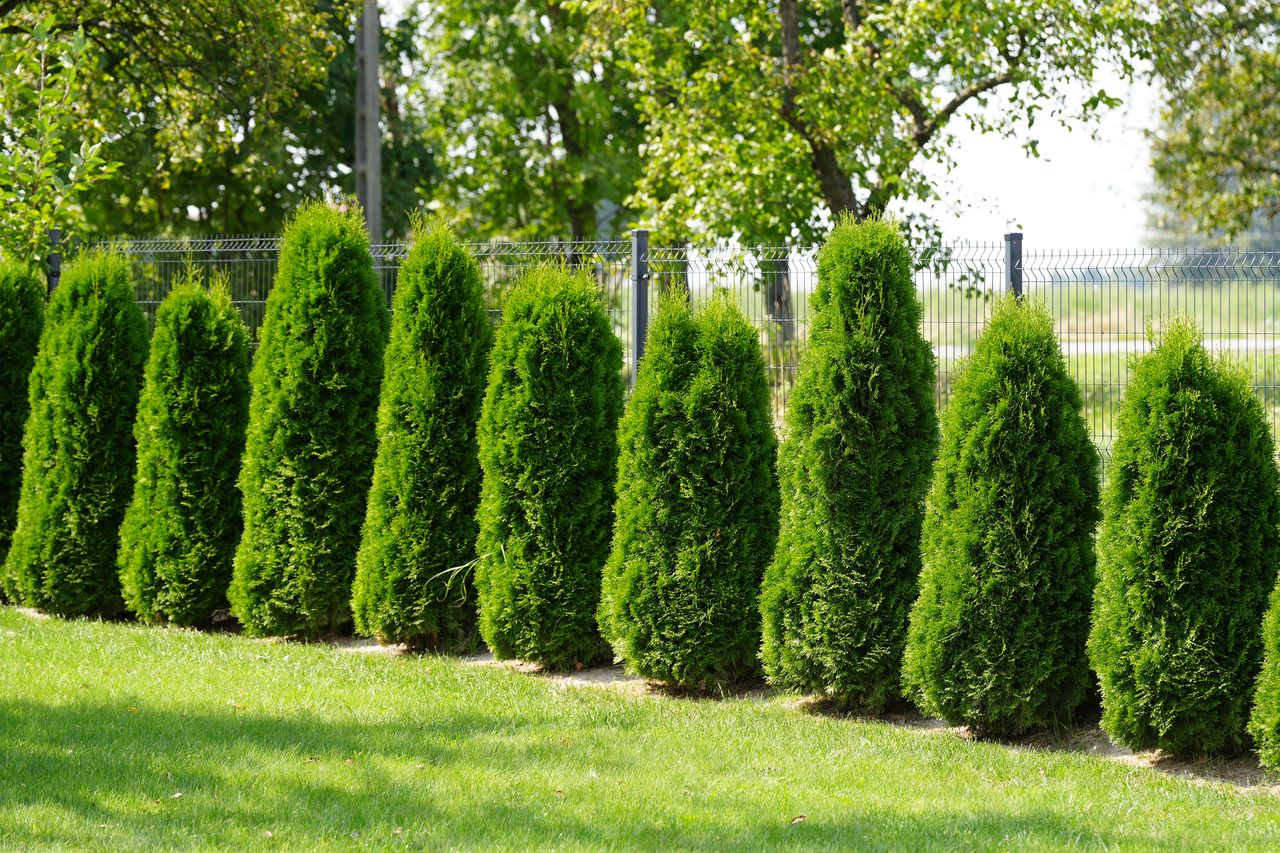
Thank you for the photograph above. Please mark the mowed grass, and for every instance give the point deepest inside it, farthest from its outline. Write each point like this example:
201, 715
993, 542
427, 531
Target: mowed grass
285, 746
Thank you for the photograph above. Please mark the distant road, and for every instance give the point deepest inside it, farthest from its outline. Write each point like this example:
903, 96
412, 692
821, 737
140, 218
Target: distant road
1263, 343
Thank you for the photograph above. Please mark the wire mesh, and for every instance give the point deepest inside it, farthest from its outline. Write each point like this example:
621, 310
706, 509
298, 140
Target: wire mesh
1104, 302
248, 265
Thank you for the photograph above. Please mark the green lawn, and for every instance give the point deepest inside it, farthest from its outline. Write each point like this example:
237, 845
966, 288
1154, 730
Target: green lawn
273, 745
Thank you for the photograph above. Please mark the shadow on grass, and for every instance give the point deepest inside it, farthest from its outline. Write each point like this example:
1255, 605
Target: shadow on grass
104, 775
1083, 736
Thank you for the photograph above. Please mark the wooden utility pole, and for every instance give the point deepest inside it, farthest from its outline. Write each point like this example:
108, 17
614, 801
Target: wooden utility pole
368, 124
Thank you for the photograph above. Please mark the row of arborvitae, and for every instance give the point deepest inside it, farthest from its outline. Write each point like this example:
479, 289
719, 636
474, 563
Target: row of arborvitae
1009, 621
664, 534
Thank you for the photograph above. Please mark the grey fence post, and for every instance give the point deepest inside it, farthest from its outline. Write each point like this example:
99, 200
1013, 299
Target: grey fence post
55, 258
639, 297
1013, 263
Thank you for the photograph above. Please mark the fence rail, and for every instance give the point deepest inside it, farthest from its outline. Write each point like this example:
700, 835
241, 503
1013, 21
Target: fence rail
1103, 301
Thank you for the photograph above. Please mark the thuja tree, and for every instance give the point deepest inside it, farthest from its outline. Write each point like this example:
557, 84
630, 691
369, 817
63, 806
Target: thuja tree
854, 469
309, 453
179, 536
548, 447
1264, 722
1187, 552
21, 317
696, 516
78, 448
413, 582
997, 637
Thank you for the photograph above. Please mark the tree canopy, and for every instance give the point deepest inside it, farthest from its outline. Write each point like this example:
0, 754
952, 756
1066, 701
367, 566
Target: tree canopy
1216, 151
538, 136
226, 126
767, 119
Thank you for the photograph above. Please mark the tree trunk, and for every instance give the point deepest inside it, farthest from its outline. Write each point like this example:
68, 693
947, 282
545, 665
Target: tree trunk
777, 297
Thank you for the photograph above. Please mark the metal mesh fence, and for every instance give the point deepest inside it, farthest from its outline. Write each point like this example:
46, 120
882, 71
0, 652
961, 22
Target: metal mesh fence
1103, 302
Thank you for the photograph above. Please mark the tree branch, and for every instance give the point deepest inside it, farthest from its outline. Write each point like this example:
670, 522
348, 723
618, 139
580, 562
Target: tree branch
926, 126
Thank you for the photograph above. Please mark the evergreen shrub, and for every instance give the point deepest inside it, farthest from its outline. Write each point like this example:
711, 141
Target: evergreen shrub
21, 318
1187, 552
308, 457
412, 582
854, 469
697, 506
78, 447
1264, 721
548, 449
997, 636
179, 536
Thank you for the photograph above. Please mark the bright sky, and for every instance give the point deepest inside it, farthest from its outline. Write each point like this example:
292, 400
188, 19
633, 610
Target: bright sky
1082, 192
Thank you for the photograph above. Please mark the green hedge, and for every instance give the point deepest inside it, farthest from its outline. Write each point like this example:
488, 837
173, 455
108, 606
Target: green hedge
1187, 552
997, 637
78, 448
697, 501
854, 469
21, 317
548, 447
179, 536
413, 581
311, 440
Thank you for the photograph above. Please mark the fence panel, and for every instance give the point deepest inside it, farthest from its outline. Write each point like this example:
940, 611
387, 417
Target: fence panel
1103, 302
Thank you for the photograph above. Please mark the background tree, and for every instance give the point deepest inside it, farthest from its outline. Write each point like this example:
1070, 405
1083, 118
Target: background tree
997, 638
1187, 552
697, 508
288, 152
21, 317
48, 161
179, 535
78, 450
413, 581
766, 120
311, 439
1216, 151
548, 447
214, 104
538, 137
854, 469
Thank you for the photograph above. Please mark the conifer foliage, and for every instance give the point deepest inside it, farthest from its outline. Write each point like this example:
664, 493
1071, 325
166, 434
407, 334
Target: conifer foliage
997, 637
696, 516
21, 318
1264, 722
311, 439
548, 447
1187, 552
412, 579
179, 536
854, 469
78, 448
